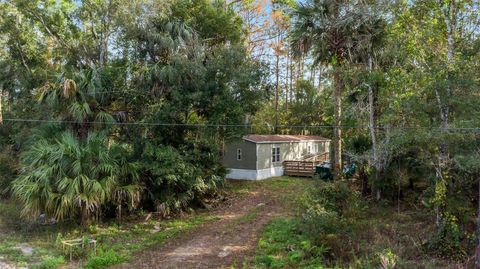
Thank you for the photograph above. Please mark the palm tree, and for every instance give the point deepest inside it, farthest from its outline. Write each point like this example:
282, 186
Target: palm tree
330, 31
76, 99
70, 170
64, 178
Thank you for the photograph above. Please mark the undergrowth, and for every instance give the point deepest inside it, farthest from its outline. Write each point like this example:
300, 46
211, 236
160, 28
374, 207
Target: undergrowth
282, 245
336, 228
116, 242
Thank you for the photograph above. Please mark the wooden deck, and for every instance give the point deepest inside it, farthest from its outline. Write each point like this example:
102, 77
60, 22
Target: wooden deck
319, 158
304, 168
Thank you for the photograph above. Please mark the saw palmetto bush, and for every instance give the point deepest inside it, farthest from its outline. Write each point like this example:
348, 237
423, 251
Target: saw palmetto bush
66, 178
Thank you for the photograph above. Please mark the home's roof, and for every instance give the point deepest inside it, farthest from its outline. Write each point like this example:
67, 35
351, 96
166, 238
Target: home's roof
283, 138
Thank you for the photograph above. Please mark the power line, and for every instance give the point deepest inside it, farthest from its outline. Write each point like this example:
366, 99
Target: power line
129, 91
452, 129
125, 91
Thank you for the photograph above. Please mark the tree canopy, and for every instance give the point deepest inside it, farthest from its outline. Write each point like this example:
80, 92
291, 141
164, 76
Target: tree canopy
112, 106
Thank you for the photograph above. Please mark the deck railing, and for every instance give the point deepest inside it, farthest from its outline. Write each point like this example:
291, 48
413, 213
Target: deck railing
323, 157
304, 168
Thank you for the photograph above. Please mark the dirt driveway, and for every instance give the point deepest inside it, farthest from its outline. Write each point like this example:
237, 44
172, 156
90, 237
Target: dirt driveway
226, 242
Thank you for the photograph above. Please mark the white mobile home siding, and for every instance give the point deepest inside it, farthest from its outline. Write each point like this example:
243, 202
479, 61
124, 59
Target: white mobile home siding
288, 151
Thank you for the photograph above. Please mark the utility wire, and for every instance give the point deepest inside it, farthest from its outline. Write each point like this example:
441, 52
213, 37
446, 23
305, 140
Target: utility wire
117, 91
471, 129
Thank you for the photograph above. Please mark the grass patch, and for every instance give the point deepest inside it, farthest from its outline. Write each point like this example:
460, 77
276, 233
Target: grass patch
16, 232
116, 242
251, 215
9, 250
282, 183
287, 189
335, 230
49, 262
247, 218
345, 232
281, 245
381, 237
383, 233
103, 260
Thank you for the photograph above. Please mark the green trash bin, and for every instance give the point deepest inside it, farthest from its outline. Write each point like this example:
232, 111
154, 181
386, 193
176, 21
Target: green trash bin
323, 172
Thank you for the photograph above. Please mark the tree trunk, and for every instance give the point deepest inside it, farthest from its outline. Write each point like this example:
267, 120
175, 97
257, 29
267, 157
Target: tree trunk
300, 69
373, 138
1, 113
286, 82
477, 252
444, 107
337, 131
363, 180
222, 141
277, 88
312, 76
292, 92
320, 79
371, 125
119, 212
101, 55
84, 215
442, 101
371, 118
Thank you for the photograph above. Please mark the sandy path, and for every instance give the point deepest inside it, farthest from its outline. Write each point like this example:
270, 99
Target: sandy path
220, 244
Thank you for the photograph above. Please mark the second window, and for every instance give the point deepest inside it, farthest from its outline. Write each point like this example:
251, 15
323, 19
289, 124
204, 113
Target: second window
276, 154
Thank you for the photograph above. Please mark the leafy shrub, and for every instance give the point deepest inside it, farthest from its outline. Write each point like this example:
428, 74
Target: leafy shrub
329, 213
177, 178
322, 224
387, 259
447, 240
335, 197
49, 262
104, 259
282, 245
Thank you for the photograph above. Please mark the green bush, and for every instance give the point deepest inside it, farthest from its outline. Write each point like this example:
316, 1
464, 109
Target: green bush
446, 242
321, 223
282, 245
329, 214
49, 262
336, 196
387, 259
179, 177
103, 259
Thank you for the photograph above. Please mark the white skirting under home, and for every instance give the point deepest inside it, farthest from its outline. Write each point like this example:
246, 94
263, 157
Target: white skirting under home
255, 174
